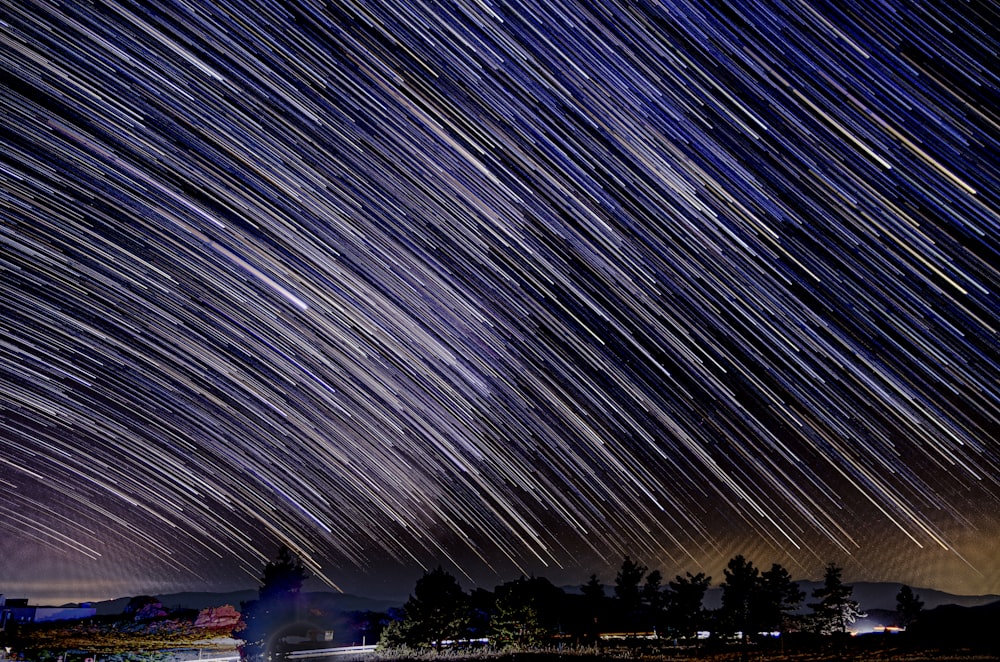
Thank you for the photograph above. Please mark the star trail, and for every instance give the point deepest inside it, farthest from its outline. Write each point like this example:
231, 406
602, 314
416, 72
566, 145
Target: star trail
509, 286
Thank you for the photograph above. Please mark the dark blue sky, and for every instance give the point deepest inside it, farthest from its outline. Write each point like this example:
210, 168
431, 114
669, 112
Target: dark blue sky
511, 287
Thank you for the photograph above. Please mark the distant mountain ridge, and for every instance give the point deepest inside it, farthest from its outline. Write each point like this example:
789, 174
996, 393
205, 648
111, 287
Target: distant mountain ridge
882, 595
340, 602
870, 595
953, 626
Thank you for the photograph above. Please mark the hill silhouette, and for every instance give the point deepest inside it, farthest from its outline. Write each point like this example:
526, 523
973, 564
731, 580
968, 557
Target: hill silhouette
343, 602
956, 627
871, 596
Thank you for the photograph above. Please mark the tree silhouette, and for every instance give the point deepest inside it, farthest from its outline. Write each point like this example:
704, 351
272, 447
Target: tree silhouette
283, 577
394, 633
436, 612
593, 590
650, 594
740, 597
685, 610
482, 604
652, 598
527, 612
835, 609
779, 598
593, 608
627, 589
740, 600
276, 606
908, 606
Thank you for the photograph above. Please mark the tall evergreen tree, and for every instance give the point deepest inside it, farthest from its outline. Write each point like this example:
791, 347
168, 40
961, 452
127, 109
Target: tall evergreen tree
650, 594
593, 590
593, 608
779, 598
652, 598
685, 604
627, 583
835, 609
908, 606
740, 596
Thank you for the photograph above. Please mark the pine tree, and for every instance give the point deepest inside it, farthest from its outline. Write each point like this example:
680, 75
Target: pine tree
740, 594
908, 606
779, 598
593, 590
685, 610
594, 607
652, 599
835, 609
627, 584
650, 594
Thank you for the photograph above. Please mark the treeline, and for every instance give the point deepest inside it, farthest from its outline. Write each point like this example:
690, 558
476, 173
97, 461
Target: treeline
758, 607
531, 612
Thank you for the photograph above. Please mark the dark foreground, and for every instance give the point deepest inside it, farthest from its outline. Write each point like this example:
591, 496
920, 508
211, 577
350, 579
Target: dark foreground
852, 651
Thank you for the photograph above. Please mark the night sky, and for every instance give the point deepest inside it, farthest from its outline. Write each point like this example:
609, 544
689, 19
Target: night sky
513, 287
